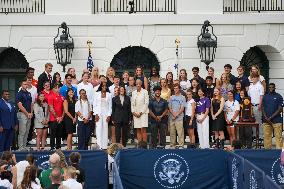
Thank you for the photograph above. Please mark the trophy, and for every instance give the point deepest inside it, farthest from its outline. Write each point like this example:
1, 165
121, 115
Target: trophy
246, 113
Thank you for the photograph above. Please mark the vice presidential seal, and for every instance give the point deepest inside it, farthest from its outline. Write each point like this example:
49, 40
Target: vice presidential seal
171, 170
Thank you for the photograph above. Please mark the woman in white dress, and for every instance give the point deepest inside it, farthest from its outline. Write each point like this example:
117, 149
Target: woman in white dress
102, 108
140, 110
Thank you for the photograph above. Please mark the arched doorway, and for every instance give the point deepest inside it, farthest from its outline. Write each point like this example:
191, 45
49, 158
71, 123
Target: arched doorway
130, 57
13, 65
255, 56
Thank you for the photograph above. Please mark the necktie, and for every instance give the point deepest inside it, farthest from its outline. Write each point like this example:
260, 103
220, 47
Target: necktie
49, 78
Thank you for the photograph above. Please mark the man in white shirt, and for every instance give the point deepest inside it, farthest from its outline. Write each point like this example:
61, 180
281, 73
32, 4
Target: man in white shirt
87, 86
115, 84
70, 178
256, 92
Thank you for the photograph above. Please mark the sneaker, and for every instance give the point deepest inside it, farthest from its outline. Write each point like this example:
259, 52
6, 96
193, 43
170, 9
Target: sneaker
32, 142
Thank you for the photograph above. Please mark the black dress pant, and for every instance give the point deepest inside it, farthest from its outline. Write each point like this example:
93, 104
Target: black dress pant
121, 131
245, 135
55, 133
161, 127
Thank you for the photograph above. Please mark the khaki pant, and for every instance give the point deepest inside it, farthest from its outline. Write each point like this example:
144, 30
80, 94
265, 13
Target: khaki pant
176, 127
24, 128
268, 130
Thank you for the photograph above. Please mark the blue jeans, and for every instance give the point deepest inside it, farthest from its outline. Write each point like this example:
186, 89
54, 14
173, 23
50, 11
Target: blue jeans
84, 134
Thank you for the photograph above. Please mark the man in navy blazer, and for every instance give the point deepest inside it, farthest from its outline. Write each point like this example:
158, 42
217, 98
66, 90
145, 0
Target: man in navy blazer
8, 121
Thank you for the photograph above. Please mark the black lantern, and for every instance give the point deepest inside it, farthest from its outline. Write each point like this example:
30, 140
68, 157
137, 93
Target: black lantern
63, 46
207, 44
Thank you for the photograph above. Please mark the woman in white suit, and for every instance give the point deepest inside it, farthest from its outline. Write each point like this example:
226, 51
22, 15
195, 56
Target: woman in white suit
102, 108
140, 110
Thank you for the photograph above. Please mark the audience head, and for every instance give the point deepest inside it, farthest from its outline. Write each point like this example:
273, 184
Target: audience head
30, 72
70, 172
182, 75
243, 94
254, 77
103, 87
102, 79
30, 158
271, 87
209, 80
227, 68
24, 84
189, 94
122, 91
131, 80
74, 158
125, 75
56, 77
169, 77
210, 72
116, 91
95, 72
72, 72
114, 148
68, 78
8, 156
224, 79
238, 86
154, 72
163, 83
85, 77
230, 95
237, 144
157, 90
217, 93
56, 176
46, 86
30, 176
139, 71
255, 70
138, 84
48, 67
176, 89
70, 95
110, 72
56, 87
5, 95
201, 92
54, 160
241, 70
116, 80
195, 71
194, 83
63, 162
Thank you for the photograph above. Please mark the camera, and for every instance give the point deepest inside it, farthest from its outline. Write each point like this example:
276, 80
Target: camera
8, 168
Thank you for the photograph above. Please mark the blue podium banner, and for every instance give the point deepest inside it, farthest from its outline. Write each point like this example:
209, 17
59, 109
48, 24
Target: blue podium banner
253, 176
93, 162
270, 184
173, 169
266, 160
235, 171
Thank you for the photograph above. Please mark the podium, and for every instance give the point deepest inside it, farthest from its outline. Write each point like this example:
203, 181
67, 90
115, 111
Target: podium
248, 124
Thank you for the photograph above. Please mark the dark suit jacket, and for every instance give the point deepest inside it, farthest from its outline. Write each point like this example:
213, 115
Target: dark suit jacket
8, 119
121, 112
41, 79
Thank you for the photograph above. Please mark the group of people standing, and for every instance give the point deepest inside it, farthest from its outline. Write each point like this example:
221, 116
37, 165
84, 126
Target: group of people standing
125, 107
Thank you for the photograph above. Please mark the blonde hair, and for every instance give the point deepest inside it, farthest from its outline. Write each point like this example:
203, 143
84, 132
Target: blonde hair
107, 72
71, 172
257, 67
47, 65
113, 148
227, 79
93, 74
62, 158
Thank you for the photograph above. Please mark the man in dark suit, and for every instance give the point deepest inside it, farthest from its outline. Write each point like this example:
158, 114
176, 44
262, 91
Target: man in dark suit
45, 76
121, 115
8, 121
